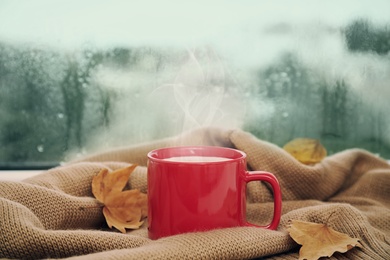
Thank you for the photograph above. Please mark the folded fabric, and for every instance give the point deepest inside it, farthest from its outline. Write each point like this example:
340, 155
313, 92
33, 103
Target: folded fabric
54, 214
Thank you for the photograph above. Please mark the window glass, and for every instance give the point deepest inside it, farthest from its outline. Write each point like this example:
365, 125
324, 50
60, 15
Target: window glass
81, 76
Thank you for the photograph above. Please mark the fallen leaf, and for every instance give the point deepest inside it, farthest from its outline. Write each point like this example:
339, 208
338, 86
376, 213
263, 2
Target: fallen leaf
123, 209
306, 150
319, 240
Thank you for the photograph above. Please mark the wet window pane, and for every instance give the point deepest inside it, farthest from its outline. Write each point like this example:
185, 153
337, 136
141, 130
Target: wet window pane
81, 76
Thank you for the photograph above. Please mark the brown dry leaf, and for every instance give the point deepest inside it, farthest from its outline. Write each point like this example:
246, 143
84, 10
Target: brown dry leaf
319, 240
122, 209
306, 150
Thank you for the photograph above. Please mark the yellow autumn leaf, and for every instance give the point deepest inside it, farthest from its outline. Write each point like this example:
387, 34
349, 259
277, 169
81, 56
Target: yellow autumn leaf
319, 240
306, 150
123, 209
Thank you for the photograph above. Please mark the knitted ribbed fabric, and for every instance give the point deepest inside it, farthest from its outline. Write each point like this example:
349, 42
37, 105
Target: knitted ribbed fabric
52, 215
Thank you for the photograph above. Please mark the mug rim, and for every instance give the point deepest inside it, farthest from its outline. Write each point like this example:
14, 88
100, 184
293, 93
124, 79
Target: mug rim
239, 155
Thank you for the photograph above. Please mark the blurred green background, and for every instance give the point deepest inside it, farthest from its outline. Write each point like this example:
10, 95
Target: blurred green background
58, 104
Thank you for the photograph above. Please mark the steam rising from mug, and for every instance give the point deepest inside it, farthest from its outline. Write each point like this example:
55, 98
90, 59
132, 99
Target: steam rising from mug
168, 92
200, 94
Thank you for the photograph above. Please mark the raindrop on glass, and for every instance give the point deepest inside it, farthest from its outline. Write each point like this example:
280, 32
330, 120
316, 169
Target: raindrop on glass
40, 148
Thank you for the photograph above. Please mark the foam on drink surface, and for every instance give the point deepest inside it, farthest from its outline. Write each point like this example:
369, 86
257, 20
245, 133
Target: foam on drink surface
197, 159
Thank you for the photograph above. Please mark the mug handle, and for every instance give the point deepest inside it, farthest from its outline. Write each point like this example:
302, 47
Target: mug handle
277, 194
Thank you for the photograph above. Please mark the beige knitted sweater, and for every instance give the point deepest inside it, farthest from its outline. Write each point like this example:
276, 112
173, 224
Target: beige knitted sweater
43, 216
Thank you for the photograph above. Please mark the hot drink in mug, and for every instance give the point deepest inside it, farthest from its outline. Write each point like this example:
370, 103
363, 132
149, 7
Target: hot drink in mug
199, 188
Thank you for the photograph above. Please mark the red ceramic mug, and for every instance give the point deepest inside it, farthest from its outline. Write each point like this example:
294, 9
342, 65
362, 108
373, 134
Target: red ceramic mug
199, 188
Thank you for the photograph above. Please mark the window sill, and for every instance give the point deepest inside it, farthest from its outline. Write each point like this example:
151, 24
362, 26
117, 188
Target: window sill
18, 175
